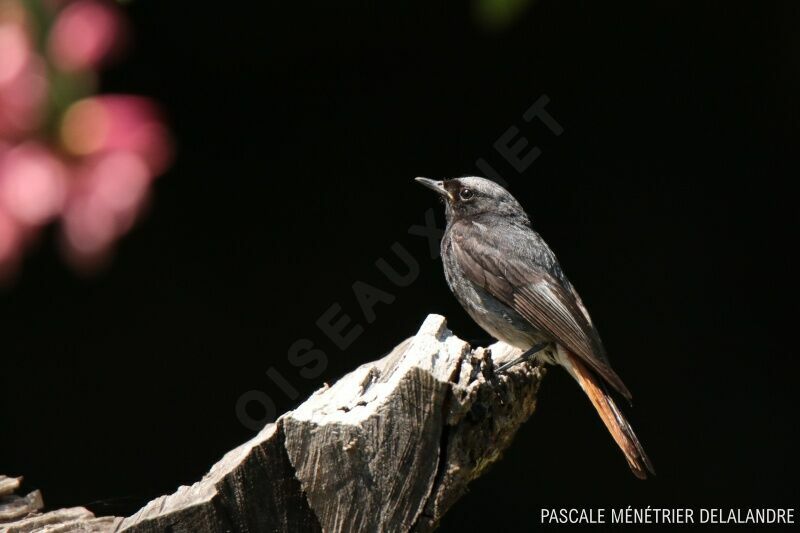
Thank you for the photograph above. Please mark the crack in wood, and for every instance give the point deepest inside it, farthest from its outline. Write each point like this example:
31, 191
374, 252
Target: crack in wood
389, 447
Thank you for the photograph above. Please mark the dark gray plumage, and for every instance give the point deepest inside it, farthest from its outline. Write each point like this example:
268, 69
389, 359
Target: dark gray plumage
509, 281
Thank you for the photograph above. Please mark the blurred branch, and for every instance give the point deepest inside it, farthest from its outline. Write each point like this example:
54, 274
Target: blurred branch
499, 14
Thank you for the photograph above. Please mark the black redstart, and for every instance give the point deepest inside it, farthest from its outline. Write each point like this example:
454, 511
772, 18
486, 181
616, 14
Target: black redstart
509, 281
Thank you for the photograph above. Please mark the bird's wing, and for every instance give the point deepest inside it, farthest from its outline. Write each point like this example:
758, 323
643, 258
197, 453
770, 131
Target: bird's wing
511, 271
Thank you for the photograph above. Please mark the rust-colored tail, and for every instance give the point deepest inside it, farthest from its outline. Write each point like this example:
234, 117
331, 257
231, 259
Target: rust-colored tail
612, 417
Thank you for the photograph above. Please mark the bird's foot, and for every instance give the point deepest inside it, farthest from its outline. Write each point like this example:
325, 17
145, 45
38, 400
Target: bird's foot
529, 354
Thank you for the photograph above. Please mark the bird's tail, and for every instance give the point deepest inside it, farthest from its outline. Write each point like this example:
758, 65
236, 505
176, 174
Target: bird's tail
612, 417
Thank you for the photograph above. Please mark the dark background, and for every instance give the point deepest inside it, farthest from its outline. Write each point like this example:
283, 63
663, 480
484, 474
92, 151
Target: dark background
299, 128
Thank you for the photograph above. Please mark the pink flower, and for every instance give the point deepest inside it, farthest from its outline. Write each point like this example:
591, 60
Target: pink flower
117, 122
33, 184
84, 34
23, 83
96, 174
10, 245
22, 100
109, 193
14, 49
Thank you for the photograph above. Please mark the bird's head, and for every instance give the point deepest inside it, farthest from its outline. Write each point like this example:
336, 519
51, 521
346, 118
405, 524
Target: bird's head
470, 197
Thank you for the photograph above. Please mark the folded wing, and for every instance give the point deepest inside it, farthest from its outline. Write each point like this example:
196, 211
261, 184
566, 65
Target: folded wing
515, 272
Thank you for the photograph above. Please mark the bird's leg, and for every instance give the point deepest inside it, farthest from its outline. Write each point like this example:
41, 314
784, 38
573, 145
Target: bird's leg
533, 350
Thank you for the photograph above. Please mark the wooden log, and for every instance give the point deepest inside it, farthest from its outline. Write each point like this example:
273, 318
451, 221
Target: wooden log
16, 507
22, 514
389, 447
70, 520
8, 485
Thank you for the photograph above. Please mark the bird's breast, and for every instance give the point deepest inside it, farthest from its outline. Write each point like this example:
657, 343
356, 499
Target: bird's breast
495, 317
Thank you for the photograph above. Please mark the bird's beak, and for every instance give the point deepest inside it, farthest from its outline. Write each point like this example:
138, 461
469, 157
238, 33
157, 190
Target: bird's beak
437, 186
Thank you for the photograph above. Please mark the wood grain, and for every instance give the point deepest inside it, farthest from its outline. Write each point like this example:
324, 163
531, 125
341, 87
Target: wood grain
389, 447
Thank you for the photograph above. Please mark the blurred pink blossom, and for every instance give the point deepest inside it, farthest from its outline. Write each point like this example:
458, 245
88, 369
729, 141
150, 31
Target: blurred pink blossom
109, 193
117, 122
16, 51
95, 173
33, 184
23, 84
22, 100
83, 35
10, 245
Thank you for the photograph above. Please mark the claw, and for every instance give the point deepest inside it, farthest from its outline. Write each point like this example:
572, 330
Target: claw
536, 348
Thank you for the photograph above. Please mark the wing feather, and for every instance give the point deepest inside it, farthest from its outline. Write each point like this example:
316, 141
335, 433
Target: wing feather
515, 272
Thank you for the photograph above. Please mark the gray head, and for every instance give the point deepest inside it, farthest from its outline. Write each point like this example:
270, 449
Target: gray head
472, 196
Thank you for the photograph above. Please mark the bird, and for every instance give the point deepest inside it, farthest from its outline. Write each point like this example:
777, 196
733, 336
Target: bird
509, 281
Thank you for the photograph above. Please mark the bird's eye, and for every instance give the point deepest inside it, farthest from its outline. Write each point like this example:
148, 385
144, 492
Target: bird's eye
466, 194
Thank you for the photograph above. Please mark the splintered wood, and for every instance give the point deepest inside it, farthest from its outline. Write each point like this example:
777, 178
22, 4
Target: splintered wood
389, 447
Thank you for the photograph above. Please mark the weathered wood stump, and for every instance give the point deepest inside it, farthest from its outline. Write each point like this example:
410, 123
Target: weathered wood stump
21, 514
389, 447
